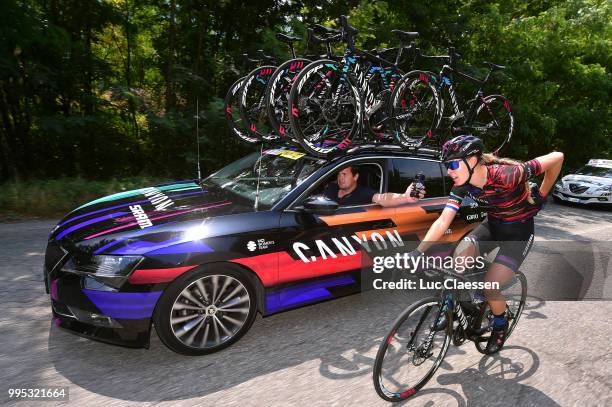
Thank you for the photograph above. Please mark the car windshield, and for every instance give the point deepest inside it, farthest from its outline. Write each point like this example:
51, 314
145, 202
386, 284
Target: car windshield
595, 171
280, 171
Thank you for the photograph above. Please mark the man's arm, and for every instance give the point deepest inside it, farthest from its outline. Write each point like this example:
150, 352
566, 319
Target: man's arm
391, 199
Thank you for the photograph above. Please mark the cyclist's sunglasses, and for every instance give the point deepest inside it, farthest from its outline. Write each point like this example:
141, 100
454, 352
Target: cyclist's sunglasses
452, 165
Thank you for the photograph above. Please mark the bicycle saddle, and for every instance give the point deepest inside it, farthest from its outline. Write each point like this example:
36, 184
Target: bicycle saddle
325, 30
288, 39
495, 67
405, 35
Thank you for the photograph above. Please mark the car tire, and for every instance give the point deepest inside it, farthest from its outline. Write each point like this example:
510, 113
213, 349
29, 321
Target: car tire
557, 200
206, 310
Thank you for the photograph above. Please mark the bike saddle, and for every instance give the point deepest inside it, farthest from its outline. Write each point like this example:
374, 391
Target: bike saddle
405, 35
325, 30
287, 39
495, 67
334, 38
268, 59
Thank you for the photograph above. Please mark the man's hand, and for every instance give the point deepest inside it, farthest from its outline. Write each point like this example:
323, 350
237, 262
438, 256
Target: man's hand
417, 194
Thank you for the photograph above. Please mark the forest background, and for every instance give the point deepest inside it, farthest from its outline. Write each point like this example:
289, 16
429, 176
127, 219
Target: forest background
100, 96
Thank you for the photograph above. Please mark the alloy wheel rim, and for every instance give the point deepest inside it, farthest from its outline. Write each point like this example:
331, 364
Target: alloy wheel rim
210, 311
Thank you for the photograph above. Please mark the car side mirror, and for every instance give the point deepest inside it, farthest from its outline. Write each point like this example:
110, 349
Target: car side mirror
320, 205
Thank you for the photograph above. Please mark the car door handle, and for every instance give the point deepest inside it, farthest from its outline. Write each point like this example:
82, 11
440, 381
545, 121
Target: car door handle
383, 224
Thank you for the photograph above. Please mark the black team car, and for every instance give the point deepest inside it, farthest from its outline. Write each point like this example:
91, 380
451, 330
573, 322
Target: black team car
199, 258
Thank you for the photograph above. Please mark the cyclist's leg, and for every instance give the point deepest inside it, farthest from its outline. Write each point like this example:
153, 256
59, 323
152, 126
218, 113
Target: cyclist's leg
476, 243
515, 242
501, 274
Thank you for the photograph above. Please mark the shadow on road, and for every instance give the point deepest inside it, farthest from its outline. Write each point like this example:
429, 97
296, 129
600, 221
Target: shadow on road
339, 333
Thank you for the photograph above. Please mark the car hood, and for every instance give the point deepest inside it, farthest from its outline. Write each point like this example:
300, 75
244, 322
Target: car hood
145, 210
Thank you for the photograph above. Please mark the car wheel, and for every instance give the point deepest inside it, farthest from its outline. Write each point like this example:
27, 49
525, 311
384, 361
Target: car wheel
205, 311
557, 200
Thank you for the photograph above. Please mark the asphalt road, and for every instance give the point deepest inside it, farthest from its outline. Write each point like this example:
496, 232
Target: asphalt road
559, 354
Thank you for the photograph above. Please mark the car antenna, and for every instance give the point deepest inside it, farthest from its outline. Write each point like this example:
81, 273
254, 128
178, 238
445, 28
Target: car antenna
256, 204
198, 135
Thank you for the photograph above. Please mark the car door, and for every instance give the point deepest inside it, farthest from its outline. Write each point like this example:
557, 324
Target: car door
322, 255
413, 220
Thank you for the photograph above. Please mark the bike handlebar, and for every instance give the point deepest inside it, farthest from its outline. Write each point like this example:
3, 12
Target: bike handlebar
348, 32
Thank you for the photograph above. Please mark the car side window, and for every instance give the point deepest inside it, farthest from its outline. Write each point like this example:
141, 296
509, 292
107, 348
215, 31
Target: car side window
404, 170
370, 176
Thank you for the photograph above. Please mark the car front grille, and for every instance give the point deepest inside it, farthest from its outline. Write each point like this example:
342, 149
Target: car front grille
582, 198
55, 256
577, 188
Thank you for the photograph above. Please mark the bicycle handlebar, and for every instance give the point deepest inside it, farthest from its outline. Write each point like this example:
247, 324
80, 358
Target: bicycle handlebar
348, 32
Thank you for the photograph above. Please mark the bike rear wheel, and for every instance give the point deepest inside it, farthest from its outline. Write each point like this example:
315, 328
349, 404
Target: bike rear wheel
326, 108
412, 351
515, 292
415, 108
493, 123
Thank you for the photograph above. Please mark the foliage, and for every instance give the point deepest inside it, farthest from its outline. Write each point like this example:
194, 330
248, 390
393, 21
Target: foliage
100, 89
59, 196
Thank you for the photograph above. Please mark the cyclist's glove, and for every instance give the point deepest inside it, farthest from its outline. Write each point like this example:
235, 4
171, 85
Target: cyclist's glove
537, 198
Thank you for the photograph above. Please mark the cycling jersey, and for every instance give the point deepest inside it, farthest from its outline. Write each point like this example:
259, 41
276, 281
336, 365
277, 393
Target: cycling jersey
504, 195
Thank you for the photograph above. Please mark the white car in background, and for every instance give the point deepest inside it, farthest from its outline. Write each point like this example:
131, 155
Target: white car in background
591, 184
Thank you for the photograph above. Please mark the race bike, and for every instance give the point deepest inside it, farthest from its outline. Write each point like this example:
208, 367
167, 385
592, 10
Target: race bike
279, 85
419, 339
333, 102
420, 93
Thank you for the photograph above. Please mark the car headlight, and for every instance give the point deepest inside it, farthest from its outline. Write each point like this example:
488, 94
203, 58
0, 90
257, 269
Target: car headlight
111, 270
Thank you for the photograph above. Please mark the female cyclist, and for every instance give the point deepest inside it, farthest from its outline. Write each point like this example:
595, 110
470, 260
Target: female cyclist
500, 187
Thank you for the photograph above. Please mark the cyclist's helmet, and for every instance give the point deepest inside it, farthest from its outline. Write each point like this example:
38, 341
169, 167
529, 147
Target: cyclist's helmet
461, 147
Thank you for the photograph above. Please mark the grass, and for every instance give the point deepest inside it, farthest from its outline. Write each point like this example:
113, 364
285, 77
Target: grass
56, 197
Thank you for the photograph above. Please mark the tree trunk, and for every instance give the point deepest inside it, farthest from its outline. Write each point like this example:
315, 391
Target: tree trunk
170, 91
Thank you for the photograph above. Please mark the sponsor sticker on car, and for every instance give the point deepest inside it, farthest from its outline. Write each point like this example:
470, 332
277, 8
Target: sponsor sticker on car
293, 155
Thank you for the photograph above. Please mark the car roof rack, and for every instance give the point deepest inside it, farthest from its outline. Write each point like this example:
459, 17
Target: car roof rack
413, 151
425, 152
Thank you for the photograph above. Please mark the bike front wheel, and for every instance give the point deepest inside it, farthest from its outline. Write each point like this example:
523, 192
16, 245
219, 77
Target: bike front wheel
326, 108
416, 108
414, 348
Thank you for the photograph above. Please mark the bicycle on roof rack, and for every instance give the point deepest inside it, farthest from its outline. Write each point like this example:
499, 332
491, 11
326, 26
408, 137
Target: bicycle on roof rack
420, 337
332, 103
329, 105
279, 85
488, 117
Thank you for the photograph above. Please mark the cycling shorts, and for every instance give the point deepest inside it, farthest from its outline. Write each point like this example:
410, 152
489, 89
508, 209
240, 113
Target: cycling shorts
513, 239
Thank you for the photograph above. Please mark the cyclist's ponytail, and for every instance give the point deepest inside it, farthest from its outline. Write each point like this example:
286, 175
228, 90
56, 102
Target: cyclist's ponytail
487, 159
